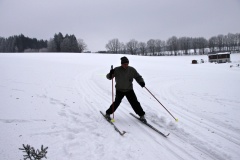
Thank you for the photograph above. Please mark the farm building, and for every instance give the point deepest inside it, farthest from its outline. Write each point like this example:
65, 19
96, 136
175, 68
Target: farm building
221, 57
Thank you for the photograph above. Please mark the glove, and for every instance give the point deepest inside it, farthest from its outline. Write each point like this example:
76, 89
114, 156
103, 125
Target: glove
142, 84
111, 73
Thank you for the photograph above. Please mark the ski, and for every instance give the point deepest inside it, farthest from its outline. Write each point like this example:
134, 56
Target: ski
115, 127
150, 126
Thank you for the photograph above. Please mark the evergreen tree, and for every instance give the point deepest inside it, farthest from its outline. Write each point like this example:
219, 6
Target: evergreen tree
66, 44
58, 39
2, 44
74, 44
51, 46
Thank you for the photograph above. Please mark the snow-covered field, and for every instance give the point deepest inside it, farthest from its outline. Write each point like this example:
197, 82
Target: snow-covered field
55, 99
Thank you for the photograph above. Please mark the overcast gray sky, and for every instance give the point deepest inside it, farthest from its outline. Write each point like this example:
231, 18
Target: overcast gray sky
98, 21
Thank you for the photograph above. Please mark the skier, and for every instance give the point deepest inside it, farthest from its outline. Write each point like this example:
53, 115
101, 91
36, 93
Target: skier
124, 76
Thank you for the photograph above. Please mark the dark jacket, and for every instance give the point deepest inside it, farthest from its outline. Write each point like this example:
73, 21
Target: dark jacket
124, 78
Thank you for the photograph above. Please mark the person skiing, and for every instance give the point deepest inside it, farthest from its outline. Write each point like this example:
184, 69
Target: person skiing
124, 76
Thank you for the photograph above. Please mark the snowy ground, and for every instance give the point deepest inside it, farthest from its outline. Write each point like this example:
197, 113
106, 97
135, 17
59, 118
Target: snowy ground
54, 100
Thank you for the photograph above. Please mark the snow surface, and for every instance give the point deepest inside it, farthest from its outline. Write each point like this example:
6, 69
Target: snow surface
55, 99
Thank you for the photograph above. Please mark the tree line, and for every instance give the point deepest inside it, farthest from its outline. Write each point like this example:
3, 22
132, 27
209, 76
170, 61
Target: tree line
172, 46
67, 43
176, 46
59, 43
21, 43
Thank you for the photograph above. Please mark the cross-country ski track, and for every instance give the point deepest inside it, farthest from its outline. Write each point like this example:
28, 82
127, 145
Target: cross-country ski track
55, 99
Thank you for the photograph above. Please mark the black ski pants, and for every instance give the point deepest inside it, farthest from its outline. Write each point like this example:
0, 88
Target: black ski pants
132, 99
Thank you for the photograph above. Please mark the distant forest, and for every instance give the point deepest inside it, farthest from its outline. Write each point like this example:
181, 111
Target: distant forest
156, 47
59, 43
177, 46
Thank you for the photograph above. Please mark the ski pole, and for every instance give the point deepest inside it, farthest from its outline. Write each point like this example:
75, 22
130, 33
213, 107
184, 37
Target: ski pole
112, 96
162, 105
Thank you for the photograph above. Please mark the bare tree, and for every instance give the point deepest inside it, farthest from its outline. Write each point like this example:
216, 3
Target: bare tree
237, 42
203, 44
230, 41
143, 48
113, 45
212, 44
151, 46
195, 45
132, 46
163, 47
81, 45
158, 45
123, 48
173, 44
220, 42
185, 44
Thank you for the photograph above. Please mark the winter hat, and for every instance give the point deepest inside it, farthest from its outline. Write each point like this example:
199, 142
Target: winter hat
124, 60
